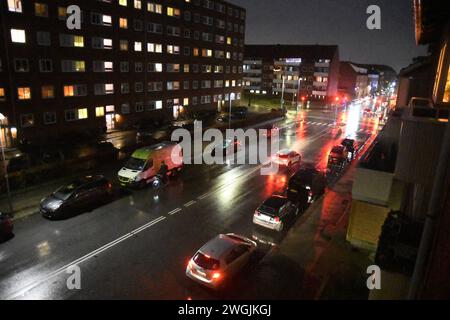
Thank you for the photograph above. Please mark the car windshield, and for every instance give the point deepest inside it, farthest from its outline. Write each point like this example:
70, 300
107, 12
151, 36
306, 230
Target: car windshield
206, 262
135, 164
337, 150
65, 192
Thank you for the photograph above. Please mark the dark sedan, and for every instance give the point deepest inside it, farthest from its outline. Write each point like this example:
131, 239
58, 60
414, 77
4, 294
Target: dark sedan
306, 184
6, 227
77, 197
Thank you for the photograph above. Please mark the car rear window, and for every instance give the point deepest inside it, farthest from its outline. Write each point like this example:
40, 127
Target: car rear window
206, 262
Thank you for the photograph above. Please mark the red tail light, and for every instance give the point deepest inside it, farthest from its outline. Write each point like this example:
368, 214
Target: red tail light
277, 219
216, 276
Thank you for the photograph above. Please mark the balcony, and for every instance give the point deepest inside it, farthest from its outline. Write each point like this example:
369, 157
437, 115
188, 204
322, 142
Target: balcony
253, 71
253, 62
321, 74
322, 64
320, 84
252, 79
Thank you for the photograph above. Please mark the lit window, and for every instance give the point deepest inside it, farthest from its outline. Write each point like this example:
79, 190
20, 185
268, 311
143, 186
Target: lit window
185, 101
62, 13
123, 2
138, 46
78, 41
48, 92
24, 93
154, 7
137, 4
82, 113
15, 5
2, 94
173, 12
18, 36
41, 9
123, 23
99, 112
123, 45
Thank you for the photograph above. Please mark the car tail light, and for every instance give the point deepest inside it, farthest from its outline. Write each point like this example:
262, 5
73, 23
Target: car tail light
276, 219
189, 265
216, 276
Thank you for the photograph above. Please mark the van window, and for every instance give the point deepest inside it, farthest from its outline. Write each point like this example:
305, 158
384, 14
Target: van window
149, 165
135, 164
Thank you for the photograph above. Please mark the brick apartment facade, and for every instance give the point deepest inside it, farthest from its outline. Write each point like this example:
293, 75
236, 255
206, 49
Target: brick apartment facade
311, 70
132, 60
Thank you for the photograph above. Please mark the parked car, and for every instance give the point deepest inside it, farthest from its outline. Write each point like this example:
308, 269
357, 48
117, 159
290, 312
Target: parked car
226, 117
228, 147
6, 226
275, 213
220, 259
239, 112
351, 146
76, 197
106, 150
305, 185
287, 158
338, 156
145, 130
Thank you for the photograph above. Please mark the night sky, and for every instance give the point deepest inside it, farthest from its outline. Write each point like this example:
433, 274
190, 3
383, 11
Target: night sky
341, 22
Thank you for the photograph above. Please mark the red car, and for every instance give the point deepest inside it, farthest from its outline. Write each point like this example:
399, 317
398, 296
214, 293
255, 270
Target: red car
6, 226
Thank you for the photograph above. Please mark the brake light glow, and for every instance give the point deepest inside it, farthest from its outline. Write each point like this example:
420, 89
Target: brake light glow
276, 219
216, 275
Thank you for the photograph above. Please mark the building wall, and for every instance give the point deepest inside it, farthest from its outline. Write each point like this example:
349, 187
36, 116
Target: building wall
192, 24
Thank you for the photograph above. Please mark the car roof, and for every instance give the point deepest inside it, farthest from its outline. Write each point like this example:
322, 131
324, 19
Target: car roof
87, 179
337, 149
219, 246
284, 152
275, 202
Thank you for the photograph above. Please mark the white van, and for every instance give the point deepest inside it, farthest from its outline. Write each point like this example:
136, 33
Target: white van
145, 163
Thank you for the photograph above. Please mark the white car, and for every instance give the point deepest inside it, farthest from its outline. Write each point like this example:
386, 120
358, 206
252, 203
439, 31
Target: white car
220, 259
287, 158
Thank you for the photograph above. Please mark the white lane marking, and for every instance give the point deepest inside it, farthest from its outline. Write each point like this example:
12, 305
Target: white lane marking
107, 246
171, 213
203, 196
190, 203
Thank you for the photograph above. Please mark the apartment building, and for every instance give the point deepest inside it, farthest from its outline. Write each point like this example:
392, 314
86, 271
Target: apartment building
131, 60
309, 70
353, 81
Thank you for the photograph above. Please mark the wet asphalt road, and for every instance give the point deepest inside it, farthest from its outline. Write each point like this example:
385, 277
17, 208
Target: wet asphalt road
137, 246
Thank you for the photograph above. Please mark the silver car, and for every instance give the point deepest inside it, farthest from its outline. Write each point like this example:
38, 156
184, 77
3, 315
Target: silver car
220, 259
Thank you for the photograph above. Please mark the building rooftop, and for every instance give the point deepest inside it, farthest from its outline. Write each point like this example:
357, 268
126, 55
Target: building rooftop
306, 52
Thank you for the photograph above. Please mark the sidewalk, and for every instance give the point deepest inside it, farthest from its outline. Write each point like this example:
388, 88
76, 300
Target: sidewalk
320, 263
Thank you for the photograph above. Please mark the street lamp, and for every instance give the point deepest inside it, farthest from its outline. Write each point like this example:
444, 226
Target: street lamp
5, 167
232, 96
298, 95
282, 92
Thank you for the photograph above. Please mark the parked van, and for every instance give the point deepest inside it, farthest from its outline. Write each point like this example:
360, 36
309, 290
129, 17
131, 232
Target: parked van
145, 163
